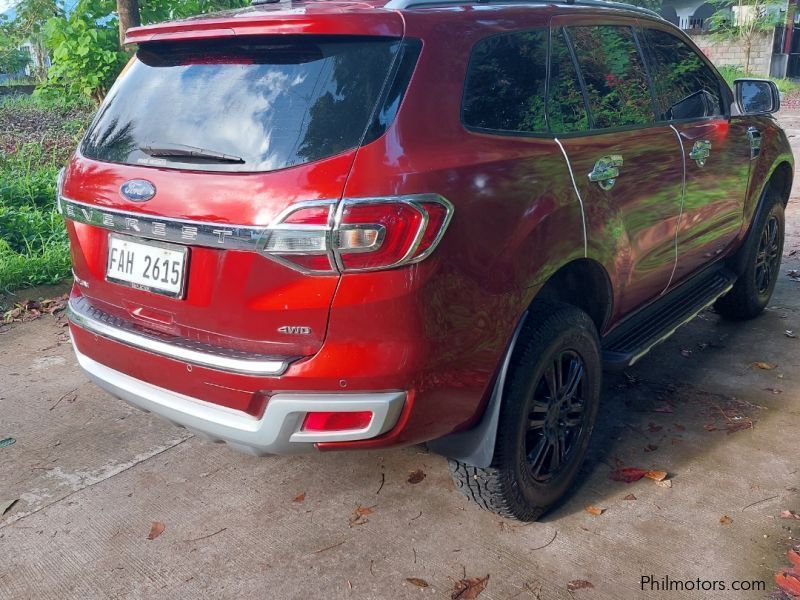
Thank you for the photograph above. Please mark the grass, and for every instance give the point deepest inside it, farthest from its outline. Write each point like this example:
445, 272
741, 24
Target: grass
36, 139
785, 86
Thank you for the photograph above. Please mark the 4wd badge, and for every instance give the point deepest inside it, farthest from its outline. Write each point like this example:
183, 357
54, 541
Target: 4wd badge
295, 329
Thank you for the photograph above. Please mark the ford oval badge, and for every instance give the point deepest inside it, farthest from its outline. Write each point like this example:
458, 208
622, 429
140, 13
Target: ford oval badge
138, 190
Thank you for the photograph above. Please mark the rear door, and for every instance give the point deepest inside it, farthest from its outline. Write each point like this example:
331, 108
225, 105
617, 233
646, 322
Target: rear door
716, 148
627, 168
230, 135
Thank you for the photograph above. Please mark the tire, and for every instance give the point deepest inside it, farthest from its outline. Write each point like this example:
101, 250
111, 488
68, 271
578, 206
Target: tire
761, 264
553, 334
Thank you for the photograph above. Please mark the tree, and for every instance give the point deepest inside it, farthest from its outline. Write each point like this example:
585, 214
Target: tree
128, 13
29, 27
743, 21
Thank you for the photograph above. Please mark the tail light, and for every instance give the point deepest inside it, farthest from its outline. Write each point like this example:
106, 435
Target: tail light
336, 421
358, 234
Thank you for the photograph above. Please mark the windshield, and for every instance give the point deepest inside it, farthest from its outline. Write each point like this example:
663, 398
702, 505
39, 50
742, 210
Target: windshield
233, 106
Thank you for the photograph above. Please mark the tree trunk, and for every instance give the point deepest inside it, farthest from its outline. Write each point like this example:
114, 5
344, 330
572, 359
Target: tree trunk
747, 58
128, 11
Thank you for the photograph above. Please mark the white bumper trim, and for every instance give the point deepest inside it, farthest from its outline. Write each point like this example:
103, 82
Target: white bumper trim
276, 432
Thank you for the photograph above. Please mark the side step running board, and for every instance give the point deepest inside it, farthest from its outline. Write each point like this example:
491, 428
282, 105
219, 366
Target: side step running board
636, 335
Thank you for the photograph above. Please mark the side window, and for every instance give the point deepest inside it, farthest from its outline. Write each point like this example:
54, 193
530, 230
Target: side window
614, 75
566, 111
505, 86
685, 87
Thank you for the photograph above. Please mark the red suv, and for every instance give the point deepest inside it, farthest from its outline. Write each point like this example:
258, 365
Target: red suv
346, 226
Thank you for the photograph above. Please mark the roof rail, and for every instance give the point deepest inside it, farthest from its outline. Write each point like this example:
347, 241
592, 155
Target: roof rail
406, 4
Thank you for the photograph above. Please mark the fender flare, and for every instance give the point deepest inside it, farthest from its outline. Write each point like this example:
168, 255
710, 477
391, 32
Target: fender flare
475, 447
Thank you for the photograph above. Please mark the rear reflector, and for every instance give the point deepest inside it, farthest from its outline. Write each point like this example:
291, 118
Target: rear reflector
358, 234
336, 421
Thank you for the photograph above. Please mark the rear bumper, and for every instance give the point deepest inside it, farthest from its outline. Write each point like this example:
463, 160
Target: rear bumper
277, 431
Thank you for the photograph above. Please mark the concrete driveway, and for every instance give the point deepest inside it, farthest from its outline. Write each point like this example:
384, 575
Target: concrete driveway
92, 475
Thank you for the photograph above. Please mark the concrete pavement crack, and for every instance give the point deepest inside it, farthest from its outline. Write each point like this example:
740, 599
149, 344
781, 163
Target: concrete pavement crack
86, 487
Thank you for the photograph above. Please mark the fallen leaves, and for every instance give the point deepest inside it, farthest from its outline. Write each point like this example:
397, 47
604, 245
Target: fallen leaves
629, 497
156, 529
789, 579
650, 448
578, 584
469, 588
725, 520
627, 474
30, 310
416, 476
360, 515
631, 474
420, 583
5, 505
665, 483
763, 365
789, 514
653, 428
301, 497
593, 510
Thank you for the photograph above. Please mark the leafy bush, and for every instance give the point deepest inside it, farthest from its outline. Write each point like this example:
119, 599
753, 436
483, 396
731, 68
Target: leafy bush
86, 54
731, 73
37, 136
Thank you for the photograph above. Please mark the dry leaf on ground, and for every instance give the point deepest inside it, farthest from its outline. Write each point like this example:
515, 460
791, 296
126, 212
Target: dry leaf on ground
416, 476
763, 365
665, 483
789, 514
629, 497
627, 474
794, 558
469, 589
578, 584
421, 583
156, 529
359, 515
650, 448
301, 497
593, 510
725, 520
5, 505
656, 475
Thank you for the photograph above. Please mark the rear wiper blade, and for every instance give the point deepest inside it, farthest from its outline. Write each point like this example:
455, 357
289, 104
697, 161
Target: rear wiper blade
179, 150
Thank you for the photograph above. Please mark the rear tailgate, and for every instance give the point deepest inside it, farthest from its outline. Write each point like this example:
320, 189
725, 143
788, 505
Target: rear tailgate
275, 121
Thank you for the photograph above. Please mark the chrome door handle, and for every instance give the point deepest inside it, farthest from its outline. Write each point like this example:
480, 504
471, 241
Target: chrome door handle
606, 171
700, 152
755, 142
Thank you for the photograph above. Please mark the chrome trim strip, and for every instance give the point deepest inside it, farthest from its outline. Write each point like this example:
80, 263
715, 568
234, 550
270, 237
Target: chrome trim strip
82, 314
278, 431
680, 213
578, 194
177, 231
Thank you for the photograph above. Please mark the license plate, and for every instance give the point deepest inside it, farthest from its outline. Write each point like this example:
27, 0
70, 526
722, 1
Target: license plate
147, 265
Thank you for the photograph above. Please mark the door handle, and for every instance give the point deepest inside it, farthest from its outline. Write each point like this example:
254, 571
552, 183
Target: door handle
606, 171
700, 152
755, 142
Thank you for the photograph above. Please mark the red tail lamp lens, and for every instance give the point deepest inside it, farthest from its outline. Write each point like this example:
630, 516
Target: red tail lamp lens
337, 421
400, 222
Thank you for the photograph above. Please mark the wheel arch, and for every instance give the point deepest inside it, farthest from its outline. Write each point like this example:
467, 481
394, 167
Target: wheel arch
582, 283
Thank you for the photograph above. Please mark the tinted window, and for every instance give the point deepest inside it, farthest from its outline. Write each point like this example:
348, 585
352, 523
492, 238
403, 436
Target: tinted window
612, 69
505, 87
264, 105
566, 110
685, 87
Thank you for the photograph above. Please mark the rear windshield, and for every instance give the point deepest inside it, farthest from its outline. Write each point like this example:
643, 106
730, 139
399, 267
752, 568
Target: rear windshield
233, 106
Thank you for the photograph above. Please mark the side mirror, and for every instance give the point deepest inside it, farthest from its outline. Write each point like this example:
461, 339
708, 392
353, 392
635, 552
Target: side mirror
757, 96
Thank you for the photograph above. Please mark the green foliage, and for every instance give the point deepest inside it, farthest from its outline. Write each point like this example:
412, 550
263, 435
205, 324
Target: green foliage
743, 20
731, 73
85, 52
36, 137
